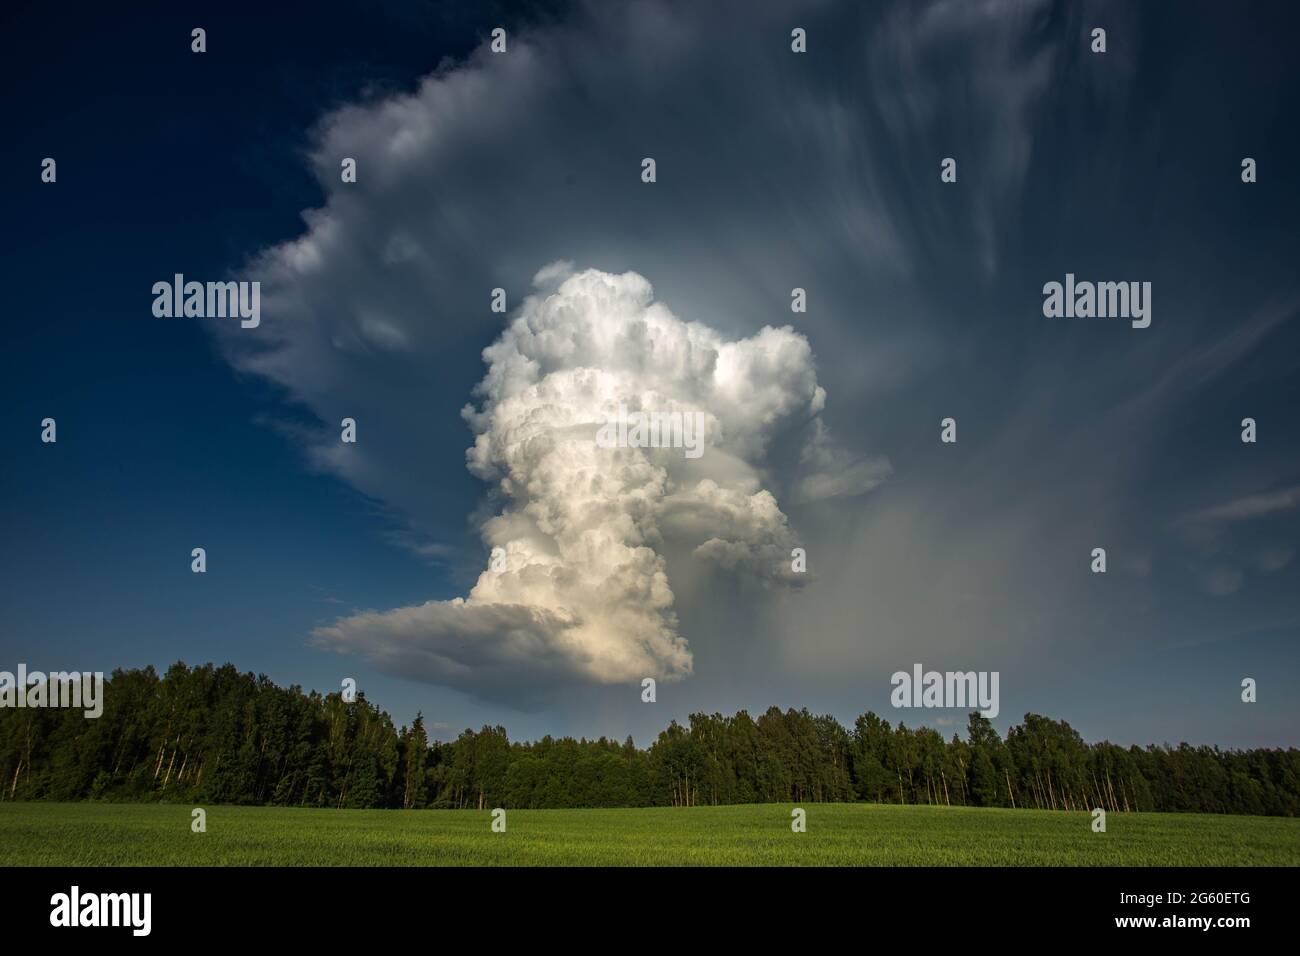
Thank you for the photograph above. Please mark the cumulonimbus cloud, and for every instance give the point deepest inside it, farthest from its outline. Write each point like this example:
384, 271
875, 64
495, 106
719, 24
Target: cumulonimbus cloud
493, 166
581, 591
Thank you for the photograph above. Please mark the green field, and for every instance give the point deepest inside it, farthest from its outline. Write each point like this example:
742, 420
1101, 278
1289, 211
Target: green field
97, 834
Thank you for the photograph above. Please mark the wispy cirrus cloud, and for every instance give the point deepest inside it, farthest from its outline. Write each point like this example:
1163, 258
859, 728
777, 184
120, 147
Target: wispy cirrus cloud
1246, 507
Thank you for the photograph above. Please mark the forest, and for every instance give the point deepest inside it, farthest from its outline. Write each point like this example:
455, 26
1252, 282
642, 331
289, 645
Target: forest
209, 734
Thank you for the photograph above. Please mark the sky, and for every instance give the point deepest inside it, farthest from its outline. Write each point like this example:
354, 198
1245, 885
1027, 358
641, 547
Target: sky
774, 170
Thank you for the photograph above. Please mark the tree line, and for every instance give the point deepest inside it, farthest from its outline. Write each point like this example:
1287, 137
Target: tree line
210, 734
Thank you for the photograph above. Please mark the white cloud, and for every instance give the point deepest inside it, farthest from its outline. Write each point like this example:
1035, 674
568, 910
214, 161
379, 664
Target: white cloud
1275, 559
1249, 506
584, 593
832, 472
1222, 581
823, 175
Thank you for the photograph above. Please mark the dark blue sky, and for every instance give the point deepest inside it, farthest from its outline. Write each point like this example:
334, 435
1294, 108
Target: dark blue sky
819, 172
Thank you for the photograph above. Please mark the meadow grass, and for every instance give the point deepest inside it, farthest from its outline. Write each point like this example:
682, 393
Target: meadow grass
99, 834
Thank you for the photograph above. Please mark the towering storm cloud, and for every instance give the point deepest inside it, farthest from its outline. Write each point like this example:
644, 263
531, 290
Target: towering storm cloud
577, 588
555, 560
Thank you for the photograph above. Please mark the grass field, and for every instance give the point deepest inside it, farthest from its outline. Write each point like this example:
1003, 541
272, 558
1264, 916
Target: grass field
46, 834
